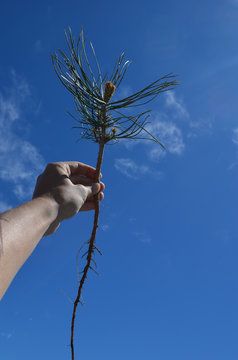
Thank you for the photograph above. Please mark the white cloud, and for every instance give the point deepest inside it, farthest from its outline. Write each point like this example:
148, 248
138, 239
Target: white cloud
235, 136
201, 126
129, 168
20, 161
177, 106
169, 135
105, 227
142, 237
20, 90
6, 335
167, 132
235, 141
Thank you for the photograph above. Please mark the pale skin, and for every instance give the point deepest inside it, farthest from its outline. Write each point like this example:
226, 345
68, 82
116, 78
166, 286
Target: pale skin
61, 191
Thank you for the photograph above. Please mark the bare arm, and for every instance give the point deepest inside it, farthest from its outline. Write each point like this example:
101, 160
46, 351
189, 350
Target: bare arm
21, 230
61, 192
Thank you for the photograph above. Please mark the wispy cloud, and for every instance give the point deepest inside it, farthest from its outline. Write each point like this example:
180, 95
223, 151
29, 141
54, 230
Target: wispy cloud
202, 126
142, 236
167, 132
129, 168
234, 139
105, 227
20, 161
132, 170
170, 135
235, 136
178, 108
6, 335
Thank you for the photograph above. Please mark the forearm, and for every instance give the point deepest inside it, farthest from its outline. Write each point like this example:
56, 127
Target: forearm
21, 229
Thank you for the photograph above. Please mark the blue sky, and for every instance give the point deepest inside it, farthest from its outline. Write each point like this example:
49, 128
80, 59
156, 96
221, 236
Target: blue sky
168, 228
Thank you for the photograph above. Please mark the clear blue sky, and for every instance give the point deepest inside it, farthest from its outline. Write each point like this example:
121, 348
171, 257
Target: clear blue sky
168, 230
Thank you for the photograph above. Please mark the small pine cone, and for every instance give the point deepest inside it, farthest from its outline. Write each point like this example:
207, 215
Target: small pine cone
113, 131
109, 91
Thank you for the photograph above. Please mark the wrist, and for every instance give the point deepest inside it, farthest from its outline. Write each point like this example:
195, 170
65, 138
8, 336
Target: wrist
50, 208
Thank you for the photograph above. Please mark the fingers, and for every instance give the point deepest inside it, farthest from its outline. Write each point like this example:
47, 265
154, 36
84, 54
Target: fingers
74, 168
82, 169
78, 168
91, 190
79, 179
82, 180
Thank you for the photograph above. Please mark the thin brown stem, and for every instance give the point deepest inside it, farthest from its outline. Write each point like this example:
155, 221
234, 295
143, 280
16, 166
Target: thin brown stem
91, 247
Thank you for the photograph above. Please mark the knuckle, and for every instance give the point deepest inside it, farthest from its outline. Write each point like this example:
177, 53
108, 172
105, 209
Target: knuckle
50, 166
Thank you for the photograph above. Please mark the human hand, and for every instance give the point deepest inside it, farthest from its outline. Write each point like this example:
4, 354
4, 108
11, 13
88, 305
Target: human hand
70, 185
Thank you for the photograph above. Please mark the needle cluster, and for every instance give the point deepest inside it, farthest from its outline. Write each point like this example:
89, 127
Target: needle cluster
90, 92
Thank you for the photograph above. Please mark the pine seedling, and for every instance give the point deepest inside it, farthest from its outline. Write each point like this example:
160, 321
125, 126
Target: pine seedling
102, 120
